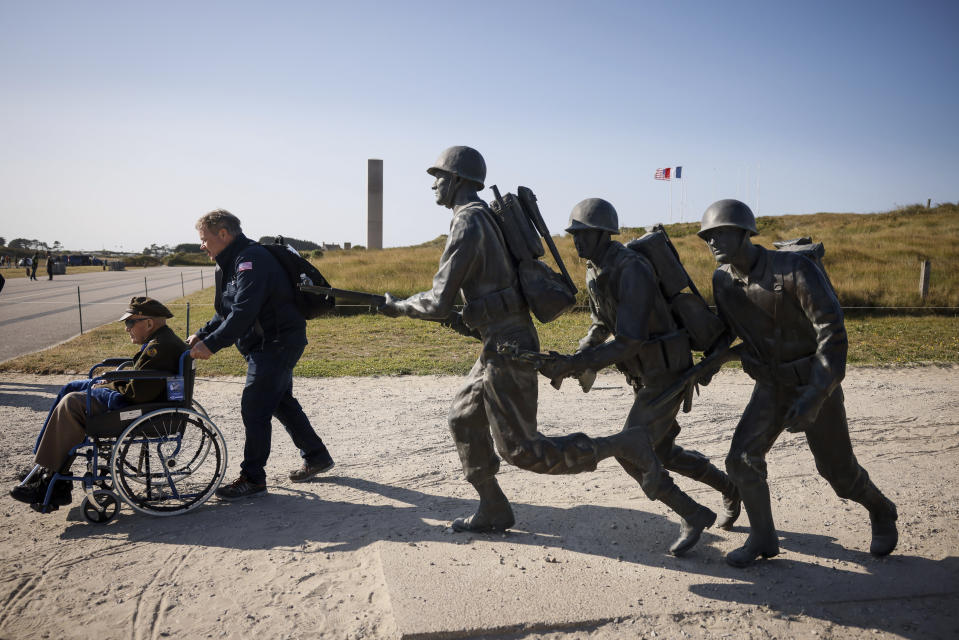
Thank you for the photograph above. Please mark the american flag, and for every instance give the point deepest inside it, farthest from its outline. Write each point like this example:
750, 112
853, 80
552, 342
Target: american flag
664, 174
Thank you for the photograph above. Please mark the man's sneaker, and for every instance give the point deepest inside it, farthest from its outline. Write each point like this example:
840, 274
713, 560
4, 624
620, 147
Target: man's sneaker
241, 488
308, 470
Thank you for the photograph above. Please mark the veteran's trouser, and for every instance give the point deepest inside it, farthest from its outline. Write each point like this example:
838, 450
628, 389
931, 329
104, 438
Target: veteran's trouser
65, 429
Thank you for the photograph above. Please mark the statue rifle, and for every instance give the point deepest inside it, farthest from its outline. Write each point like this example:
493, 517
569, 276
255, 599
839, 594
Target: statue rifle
454, 321
690, 378
538, 359
355, 297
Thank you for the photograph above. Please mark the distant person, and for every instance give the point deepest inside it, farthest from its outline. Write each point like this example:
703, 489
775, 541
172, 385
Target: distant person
34, 264
50, 262
145, 322
790, 321
255, 310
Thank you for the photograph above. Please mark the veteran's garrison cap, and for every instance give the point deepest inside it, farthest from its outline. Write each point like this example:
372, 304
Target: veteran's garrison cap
144, 306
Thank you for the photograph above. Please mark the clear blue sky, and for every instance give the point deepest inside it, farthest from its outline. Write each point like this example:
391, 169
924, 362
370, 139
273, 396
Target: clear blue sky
122, 122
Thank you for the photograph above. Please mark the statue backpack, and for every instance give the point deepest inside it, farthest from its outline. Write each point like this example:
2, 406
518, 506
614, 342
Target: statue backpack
689, 309
813, 251
548, 294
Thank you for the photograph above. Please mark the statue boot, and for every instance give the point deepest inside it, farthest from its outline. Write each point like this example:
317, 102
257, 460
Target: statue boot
494, 513
695, 518
882, 516
732, 503
762, 540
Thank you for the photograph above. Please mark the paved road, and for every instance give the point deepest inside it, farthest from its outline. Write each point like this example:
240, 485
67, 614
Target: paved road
36, 315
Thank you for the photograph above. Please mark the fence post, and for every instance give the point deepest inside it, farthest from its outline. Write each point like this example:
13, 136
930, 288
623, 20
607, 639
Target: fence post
146, 291
182, 288
201, 278
924, 270
80, 310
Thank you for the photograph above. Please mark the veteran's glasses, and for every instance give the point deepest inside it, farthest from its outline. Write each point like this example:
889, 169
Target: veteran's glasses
129, 322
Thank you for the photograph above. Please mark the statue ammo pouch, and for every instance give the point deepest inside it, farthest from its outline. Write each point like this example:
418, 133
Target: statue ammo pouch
795, 373
492, 307
667, 353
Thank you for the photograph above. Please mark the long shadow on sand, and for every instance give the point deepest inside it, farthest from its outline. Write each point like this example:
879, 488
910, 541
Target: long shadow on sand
305, 523
29, 395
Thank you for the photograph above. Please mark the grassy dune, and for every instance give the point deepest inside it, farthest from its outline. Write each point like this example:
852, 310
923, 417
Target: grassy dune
873, 260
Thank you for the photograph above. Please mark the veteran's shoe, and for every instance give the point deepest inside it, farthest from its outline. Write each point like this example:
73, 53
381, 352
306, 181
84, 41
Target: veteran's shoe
310, 470
241, 488
35, 492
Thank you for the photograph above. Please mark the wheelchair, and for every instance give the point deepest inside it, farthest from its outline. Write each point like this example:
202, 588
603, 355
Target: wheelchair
160, 458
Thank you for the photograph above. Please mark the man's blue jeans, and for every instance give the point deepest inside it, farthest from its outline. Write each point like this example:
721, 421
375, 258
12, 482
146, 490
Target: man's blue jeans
269, 393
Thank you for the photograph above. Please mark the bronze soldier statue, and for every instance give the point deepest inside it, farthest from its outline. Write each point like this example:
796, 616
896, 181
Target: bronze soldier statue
653, 352
791, 324
499, 399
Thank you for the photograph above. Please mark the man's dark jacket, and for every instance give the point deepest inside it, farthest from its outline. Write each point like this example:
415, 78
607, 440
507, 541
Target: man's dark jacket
254, 301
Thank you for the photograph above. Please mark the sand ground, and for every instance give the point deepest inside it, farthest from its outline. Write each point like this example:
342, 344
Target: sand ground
367, 553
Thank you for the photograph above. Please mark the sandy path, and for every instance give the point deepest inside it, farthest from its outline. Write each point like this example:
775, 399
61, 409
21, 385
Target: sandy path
367, 554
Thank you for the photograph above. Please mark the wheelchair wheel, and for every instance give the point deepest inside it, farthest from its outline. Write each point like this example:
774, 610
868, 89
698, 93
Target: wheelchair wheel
168, 462
102, 508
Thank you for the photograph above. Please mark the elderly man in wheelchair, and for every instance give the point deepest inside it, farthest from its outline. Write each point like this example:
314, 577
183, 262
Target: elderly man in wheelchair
143, 437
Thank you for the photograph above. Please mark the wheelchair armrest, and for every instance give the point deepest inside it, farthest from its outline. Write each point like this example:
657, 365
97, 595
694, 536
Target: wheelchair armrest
109, 362
135, 374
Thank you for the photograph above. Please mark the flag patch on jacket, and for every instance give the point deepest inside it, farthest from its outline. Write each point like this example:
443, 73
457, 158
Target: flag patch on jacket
244, 266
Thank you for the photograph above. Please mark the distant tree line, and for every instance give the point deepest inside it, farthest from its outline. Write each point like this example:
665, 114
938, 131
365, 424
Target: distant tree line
296, 243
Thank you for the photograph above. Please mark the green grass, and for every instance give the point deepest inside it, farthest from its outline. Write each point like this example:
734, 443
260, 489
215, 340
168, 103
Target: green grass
366, 345
872, 259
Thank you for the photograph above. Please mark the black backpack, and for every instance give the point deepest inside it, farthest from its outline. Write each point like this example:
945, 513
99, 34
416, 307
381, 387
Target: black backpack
301, 271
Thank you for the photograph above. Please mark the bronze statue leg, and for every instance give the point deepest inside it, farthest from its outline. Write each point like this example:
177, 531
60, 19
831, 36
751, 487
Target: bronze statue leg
829, 442
471, 432
746, 465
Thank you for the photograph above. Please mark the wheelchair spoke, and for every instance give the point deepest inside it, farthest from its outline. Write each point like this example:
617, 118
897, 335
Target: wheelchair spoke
169, 462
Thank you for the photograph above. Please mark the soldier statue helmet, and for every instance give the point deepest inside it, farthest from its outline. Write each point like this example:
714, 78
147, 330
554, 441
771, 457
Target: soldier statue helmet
463, 162
593, 213
728, 213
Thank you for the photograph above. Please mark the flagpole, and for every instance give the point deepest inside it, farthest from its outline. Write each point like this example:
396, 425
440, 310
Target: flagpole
670, 200
683, 209
758, 166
